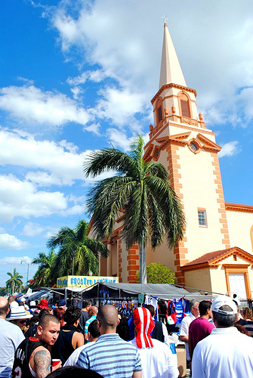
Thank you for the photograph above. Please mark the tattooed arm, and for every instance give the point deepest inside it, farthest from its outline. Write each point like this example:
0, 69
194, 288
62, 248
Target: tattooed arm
41, 362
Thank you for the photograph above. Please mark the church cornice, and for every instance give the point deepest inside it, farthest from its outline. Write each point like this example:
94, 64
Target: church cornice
238, 207
172, 85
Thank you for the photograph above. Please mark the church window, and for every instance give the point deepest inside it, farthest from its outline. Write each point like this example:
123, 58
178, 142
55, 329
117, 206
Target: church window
193, 146
185, 108
160, 114
202, 218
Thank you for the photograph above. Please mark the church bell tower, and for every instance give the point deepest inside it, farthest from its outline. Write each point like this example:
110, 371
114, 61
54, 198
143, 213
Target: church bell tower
180, 140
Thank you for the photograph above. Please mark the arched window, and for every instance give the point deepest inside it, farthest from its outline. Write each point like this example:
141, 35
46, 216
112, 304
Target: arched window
159, 110
184, 105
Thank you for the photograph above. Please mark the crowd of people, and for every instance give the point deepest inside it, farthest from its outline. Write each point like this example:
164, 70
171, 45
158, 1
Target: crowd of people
39, 341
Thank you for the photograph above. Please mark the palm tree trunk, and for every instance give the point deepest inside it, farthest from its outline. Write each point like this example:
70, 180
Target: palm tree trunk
143, 270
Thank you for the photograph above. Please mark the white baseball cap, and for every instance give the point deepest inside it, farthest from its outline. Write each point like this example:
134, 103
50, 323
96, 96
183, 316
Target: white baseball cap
223, 300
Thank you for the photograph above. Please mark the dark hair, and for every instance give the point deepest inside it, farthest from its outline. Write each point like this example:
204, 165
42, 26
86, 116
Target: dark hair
76, 371
46, 319
72, 314
123, 328
242, 329
151, 309
93, 329
43, 312
223, 320
86, 304
204, 306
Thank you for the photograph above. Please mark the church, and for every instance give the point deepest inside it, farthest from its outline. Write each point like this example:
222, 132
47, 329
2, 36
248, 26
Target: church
215, 254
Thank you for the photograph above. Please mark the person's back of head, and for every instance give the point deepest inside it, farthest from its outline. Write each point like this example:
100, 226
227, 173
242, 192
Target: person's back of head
93, 310
151, 309
86, 305
224, 311
204, 306
72, 314
93, 331
107, 317
76, 371
4, 306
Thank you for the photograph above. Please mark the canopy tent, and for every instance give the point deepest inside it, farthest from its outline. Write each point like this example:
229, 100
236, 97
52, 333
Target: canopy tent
122, 290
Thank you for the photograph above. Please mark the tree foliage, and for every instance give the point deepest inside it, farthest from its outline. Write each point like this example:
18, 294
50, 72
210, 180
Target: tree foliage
15, 281
78, 254
141, 190
159, 274
44, 276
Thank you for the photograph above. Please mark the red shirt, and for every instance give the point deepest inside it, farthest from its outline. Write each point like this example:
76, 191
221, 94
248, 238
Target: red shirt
198, 330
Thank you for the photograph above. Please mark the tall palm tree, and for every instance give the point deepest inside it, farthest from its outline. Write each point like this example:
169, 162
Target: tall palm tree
43, 276
15, 280
141, 190
78, 254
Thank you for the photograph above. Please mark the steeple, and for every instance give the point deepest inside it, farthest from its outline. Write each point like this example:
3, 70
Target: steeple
171, 71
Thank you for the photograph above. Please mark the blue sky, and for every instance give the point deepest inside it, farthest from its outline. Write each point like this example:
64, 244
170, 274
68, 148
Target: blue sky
79, 75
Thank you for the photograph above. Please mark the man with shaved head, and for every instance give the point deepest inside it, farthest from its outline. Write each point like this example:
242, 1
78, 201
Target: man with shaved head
111, 356
10, 338
32, 357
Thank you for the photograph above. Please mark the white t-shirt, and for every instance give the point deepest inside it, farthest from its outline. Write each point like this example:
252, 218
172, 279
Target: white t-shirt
184, 331
157, 362
10, 338
226, 352
72, 360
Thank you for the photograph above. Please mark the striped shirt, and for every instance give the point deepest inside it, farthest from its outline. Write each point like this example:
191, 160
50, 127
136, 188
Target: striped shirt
111, 357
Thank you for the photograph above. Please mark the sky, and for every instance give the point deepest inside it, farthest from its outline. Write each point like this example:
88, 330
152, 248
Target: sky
76, 76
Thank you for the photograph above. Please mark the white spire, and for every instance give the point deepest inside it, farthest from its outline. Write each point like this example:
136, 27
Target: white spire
171, 71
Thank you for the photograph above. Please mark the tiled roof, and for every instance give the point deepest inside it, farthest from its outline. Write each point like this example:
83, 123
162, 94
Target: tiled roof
212, 258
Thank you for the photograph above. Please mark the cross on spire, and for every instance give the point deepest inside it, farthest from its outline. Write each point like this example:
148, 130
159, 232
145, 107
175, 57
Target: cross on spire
165, 19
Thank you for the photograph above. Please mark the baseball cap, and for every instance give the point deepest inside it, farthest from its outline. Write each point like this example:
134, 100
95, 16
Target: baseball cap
62, 302
222, 300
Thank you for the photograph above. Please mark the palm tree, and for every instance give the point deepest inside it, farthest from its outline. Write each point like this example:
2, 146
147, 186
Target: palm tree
15, 281
77, 252
141, 190
43, 276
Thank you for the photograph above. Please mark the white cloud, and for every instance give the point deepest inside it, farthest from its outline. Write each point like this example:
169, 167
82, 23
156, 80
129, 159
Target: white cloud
131, 55
20, 198
119, 105
61, 159
229, 149
29, 104
32, 229
8, 241
119, 139
15, 260
94, 128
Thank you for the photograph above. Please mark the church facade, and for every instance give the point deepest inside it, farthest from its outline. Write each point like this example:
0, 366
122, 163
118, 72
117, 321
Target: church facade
216, 252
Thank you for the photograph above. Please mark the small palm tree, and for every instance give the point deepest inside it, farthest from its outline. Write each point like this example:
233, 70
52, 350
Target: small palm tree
15, 281
43, 276
78, 254
141, 190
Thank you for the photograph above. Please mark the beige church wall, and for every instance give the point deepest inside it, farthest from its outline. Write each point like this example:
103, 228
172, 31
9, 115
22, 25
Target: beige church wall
199, 192
177, 128
239, 225
218, 280
198, 279
162, 255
